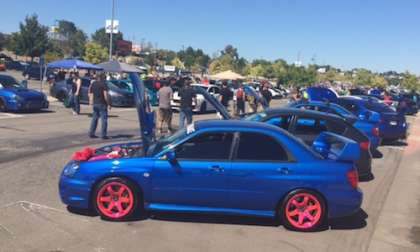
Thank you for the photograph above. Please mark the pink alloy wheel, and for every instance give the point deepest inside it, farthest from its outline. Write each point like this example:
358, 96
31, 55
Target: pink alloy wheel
303, 211
115, 200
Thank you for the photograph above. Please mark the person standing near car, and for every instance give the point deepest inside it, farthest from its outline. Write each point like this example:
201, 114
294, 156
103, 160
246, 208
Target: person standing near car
165, 111
76, 86
188, 97
267, 96
240, 100
225, 95
98, 98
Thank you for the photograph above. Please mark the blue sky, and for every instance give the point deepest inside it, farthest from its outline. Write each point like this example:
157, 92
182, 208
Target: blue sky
379, 35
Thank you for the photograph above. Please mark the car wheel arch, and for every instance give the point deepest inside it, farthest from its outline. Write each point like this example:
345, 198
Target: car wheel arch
280, 203
138, 188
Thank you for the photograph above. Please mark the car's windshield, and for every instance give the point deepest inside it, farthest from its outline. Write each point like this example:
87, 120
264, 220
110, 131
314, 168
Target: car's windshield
8, 82
122, 85
256, 117
166, 142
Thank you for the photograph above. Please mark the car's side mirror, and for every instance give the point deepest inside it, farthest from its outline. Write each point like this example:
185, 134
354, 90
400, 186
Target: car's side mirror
171, 156
24, 83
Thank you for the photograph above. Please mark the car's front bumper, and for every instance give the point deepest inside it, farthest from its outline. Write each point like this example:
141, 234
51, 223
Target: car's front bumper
75, 192
15, 105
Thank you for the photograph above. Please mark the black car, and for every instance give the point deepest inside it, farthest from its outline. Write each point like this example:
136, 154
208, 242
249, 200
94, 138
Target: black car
15, 65
308, 124
120, 96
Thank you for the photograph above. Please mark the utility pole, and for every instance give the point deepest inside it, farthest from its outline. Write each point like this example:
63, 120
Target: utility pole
112, 30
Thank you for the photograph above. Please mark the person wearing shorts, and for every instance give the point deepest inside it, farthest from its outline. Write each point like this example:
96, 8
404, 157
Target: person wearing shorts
165, 110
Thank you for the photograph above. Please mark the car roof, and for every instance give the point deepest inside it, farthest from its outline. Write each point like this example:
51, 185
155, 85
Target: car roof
206, 124
302, 112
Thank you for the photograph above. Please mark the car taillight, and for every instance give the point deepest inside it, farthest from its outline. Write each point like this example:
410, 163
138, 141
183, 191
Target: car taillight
365, 145
353, 178
375, 131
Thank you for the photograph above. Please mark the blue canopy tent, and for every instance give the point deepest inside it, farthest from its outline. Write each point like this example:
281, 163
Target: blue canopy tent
72, 64
69, 64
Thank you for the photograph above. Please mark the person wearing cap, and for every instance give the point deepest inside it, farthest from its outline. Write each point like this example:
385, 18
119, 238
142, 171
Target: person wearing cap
188, 99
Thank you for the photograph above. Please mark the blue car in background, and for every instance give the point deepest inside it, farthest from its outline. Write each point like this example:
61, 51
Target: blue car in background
370, 129
392, 125
15, 97
213, 167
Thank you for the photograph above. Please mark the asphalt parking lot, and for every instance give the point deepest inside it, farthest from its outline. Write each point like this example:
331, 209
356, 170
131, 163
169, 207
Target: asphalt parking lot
34, 148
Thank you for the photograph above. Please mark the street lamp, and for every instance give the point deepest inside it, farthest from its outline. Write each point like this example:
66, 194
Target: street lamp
112, 30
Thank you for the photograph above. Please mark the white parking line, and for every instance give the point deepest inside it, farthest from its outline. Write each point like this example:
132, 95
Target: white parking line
9, 115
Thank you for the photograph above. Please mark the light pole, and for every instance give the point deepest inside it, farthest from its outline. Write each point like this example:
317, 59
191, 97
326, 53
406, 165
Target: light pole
112, 30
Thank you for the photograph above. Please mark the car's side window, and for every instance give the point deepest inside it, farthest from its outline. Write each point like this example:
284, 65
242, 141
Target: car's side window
206, 146
260, 147
282, 121
348, 105
307, 126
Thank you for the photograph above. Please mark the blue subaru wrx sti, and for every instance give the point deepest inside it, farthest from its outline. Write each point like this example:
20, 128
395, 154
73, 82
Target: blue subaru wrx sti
225, 167
15, 97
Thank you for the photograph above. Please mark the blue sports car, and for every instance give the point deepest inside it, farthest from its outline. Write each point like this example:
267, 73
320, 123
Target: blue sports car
369, 128
219, 166
15, 97
392, 125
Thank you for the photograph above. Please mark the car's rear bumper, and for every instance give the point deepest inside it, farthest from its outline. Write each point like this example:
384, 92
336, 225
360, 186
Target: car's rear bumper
345, 204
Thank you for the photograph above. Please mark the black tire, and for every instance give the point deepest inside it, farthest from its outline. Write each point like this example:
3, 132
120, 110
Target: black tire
116, 180
2, 106
61, 96
203, 108
320, 217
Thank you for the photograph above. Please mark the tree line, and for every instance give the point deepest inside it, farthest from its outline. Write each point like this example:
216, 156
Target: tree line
67, 40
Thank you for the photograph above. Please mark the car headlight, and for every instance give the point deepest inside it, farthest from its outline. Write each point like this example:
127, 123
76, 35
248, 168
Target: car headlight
70, 169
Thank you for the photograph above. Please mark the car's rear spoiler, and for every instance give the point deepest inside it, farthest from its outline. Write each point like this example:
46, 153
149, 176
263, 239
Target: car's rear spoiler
336, 147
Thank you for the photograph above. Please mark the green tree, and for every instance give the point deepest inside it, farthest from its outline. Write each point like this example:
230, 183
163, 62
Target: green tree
363, 77
379, 81
69, 40
31, 40
411, 82
177, 63
95, 53
102, 38
2, 41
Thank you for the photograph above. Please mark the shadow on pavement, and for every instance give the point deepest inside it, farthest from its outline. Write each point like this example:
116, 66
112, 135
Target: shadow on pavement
356, 221
44, 111
214, 219
377, 154
394, 143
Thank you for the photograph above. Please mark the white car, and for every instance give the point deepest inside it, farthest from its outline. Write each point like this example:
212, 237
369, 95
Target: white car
202, 106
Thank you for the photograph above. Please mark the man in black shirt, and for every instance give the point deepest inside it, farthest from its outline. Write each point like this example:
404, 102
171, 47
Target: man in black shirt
267, 96
226, 94
98, 97
187, 96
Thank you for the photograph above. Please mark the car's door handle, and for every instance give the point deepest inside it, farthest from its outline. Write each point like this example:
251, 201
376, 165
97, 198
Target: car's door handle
216, 168
283, 170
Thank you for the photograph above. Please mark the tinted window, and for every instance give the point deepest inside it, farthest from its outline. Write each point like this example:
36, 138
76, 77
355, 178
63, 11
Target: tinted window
282, 121
348, 105
214, 90
7, 81
206, 146
306, 126
260, 147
